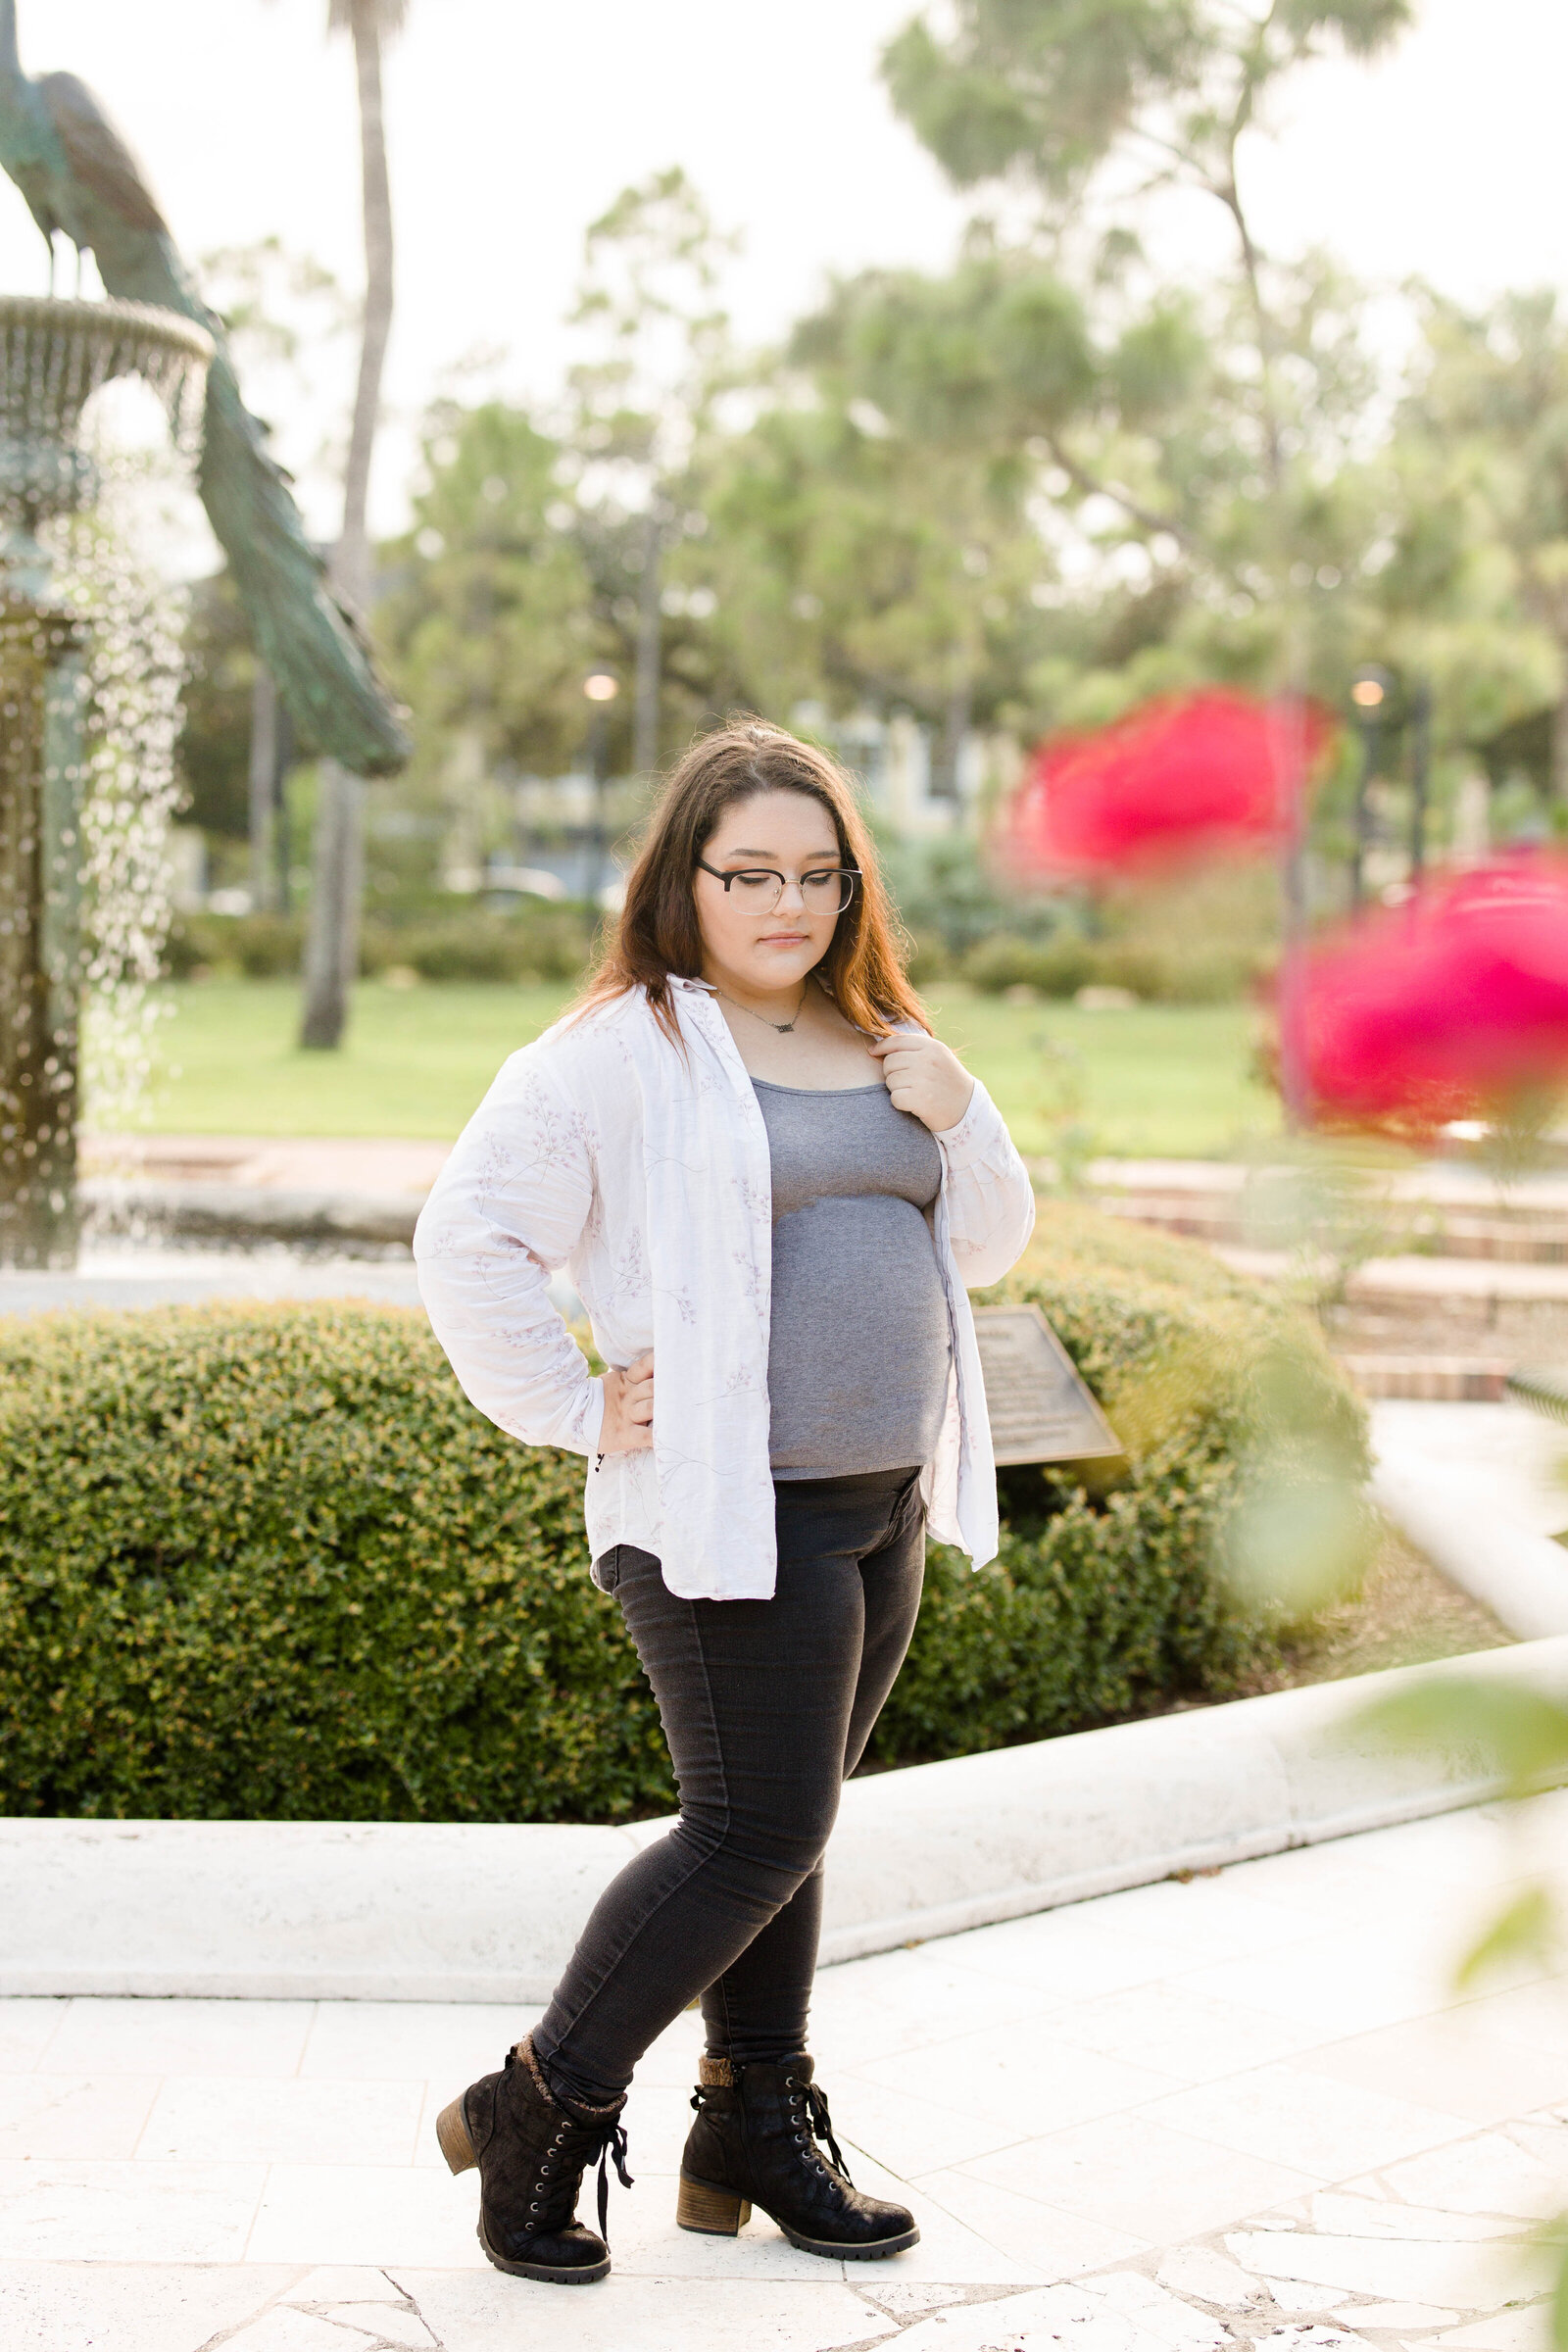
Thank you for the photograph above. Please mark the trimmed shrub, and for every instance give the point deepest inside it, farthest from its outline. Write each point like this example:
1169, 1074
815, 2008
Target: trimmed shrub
543, 943
1166, 973
928, 959
1058, 967
1159, 970
537, 946
1110, 1596
263, 947
268, 1561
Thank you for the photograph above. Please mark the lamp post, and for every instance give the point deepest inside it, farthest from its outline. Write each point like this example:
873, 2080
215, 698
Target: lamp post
601, 690
1369, 693
1420, 773
1287, 727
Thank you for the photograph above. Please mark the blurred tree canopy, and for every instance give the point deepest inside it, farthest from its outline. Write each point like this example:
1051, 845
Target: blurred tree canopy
1482, 550
1123, 431
489, 622
215, 736
1221, 425
1045, 92
1019, 494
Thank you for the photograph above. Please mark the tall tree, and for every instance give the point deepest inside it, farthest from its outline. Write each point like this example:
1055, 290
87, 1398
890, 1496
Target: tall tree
1482, 544
1092, 106
856, 560
332, 952
279, 309
490, 620
644, 400
1123, 424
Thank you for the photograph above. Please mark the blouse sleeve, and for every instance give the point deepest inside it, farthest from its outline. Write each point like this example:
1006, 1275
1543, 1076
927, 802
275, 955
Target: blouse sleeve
991, 1201
509, 1208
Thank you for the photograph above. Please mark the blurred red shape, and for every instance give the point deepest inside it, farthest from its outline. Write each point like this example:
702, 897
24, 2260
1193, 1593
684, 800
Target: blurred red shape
1445, 1008
1201, 775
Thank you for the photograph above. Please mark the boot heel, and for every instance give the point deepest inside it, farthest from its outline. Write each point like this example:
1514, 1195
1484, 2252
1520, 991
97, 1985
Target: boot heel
452, 2130
718, 2212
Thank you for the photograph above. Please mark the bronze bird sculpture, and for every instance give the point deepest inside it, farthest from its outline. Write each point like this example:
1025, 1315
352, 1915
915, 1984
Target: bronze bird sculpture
81, 181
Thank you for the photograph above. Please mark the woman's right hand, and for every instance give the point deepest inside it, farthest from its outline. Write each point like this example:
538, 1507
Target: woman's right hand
628, 1423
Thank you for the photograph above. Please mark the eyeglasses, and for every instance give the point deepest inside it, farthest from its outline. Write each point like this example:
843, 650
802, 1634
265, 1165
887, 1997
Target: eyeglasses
825, 890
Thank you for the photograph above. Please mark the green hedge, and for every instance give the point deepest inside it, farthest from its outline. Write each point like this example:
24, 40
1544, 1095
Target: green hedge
1160, 972
547, 943
1119, 1596
543, 943
266, 1560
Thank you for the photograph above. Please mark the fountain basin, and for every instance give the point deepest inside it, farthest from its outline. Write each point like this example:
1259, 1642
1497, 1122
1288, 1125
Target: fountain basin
54, 356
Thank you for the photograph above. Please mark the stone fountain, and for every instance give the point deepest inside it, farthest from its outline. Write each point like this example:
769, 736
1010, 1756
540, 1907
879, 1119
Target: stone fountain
54, 356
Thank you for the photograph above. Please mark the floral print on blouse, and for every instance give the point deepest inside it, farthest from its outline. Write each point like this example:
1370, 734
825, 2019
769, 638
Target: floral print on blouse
643, 1172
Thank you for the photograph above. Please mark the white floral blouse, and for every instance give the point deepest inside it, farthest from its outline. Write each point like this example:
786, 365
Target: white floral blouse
645, 1173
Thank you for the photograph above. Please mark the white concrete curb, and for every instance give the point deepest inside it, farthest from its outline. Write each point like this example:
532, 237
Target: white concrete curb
385, 1911
1453, 1515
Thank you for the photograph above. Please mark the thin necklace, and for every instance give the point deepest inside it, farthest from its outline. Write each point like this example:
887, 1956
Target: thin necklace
782, 1027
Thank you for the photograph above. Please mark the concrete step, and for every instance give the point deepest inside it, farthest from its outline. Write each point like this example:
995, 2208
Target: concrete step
1437, 1184
1396, 1280
1432, 1379
1531, 1238
1543, 1387
489, 1911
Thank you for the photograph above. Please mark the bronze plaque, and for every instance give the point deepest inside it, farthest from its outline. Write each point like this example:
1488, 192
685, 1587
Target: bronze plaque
1041, 1410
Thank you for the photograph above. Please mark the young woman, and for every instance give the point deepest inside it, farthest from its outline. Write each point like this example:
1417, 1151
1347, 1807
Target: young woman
770, 1184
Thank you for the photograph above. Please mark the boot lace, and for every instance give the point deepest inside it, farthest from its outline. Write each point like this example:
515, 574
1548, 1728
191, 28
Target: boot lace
612, 2146
820, 2125
574, 2151
822, 2122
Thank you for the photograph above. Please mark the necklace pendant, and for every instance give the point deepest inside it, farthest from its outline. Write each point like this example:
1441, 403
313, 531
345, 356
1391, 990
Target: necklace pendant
782, 1028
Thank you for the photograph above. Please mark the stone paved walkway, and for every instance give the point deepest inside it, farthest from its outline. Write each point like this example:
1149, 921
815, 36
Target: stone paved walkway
1248, 2108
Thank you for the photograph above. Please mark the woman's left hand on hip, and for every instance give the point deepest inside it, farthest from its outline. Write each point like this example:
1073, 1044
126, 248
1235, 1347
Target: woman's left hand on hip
924, 1078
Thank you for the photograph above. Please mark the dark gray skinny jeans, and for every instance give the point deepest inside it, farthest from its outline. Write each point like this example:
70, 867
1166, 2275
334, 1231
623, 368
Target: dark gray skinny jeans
767, 1706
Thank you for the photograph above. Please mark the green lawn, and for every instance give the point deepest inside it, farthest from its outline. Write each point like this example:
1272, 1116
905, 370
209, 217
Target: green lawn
1154, 1081
1151, 1080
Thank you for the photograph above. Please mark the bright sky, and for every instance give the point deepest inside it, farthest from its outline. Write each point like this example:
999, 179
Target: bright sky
514, 124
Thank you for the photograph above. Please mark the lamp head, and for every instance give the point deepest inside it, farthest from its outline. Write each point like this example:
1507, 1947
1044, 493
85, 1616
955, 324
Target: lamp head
1377, 694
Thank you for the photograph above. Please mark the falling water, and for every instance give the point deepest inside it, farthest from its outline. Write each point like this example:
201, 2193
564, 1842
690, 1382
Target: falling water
88, 714
130, 709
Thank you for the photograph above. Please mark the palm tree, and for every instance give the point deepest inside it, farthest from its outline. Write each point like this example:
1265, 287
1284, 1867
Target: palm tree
331, 951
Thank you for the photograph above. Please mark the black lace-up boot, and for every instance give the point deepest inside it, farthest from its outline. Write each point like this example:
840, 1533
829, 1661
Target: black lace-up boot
532, 2152
754, 2143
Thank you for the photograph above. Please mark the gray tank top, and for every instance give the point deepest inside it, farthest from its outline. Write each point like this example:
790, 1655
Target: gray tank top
858, 1353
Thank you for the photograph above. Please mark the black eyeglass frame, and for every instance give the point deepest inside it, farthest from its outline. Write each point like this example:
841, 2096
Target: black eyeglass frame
846, 874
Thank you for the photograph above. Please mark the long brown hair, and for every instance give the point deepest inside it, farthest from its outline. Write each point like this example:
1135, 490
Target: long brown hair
657, 935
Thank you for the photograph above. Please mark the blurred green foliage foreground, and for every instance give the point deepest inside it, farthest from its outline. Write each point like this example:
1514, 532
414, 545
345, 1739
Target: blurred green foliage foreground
267, 1562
